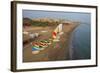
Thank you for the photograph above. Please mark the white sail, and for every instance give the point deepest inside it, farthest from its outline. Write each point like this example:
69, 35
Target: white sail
57, 32
58, 28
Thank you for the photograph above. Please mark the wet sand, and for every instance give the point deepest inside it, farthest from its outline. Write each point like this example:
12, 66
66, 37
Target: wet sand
51, 53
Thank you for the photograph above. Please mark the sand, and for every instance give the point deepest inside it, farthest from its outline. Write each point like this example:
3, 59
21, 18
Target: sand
51, 53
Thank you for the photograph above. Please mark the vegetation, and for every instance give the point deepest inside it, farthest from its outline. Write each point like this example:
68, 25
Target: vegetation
42, 22
37, 23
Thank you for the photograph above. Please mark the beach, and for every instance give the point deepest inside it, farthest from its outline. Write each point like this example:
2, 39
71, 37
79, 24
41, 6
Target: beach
56, 51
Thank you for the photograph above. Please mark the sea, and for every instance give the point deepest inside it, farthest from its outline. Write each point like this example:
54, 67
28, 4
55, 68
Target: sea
81, 42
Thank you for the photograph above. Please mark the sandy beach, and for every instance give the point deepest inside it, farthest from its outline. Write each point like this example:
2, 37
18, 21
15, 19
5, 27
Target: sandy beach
51, 53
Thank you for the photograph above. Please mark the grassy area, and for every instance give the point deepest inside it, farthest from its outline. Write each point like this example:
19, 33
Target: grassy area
37, 23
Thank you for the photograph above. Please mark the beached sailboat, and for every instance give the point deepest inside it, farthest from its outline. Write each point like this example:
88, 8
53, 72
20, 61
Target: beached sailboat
57, 33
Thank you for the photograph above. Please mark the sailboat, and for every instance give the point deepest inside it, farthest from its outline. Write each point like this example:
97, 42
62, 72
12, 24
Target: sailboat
57, 33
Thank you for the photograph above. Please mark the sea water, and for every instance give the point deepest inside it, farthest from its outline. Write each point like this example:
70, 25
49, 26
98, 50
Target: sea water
81, 39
